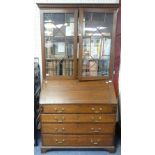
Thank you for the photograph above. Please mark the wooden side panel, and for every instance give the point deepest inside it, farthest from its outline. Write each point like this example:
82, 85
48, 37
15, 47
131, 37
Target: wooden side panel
117, 52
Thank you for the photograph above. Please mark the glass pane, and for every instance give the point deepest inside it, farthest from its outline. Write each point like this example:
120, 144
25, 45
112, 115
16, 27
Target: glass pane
59, 32
69, 47
97, 33
69, 29
55, 47
69, 18
69, 24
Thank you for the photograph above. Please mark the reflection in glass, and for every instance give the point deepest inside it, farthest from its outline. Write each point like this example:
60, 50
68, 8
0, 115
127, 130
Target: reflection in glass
97, 32
59, 32
69, 47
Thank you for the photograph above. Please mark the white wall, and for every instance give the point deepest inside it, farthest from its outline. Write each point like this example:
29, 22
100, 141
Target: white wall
37, 52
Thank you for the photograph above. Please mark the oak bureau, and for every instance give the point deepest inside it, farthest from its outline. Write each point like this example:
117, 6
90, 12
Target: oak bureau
78, 114
78, 102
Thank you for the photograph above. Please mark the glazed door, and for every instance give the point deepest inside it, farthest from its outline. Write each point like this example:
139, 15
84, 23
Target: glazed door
59, 43
96, 43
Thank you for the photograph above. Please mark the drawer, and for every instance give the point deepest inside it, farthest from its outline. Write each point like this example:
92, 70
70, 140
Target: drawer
75, 140
80, 128
63, 108
78, 118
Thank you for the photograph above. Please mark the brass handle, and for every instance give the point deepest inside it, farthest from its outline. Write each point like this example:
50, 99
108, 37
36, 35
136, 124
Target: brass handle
97, 119
96, 111
60, 119
101, 109
59, 110
95, 130
59, 130
95, 142
92, 108
59, 142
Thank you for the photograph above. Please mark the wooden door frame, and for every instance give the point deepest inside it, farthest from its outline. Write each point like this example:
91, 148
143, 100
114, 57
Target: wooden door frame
112, 53
58, 10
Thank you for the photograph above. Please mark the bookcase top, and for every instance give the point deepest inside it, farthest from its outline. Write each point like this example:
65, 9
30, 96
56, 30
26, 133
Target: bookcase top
76, 92
78, 5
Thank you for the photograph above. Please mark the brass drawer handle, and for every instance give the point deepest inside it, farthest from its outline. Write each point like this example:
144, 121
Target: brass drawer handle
101, 109
59, 119
95, 142
95, 130
93, 109
96, 111
59, 130
59, 110
59, 142
97, 119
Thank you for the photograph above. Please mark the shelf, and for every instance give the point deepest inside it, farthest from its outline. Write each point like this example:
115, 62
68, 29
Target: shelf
59, 37
97, 36
96, 59
59, 59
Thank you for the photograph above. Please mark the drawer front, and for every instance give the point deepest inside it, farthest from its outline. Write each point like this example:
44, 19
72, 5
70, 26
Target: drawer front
78, 118
78, 128
81, 109
75, 140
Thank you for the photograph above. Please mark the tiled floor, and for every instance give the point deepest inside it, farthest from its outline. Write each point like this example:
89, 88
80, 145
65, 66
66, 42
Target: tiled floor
77, 152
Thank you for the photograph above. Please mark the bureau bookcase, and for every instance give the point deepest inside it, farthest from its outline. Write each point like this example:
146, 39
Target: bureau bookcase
77, 101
